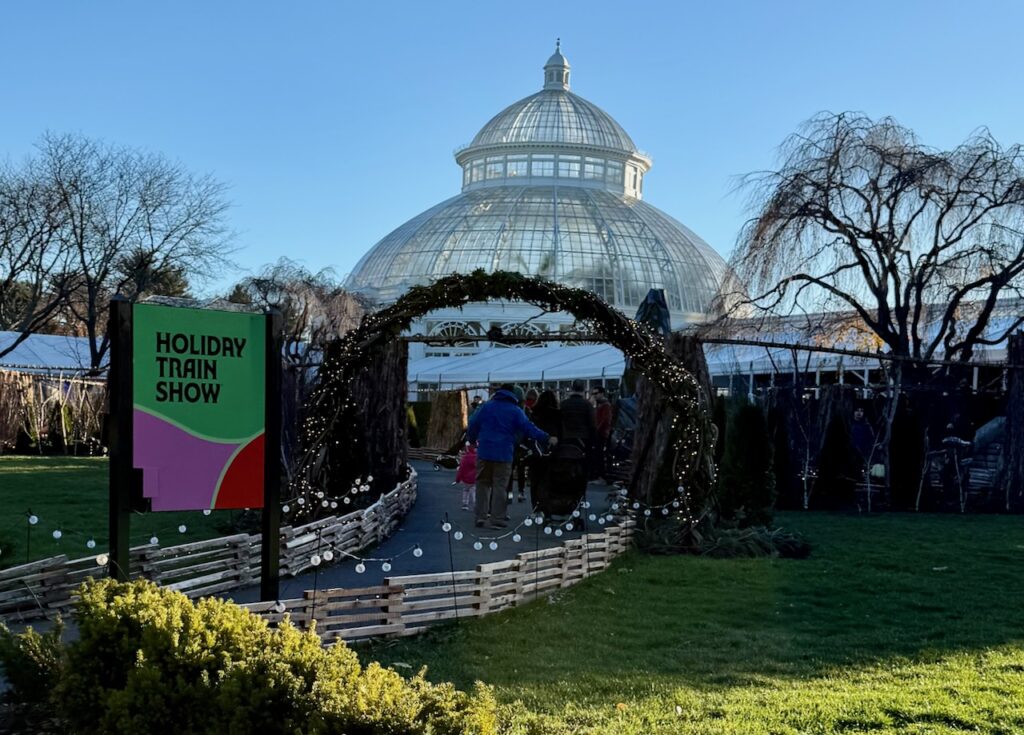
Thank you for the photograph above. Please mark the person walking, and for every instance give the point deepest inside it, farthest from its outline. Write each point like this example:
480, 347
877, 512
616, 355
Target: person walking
496, 427
465, 476
526, 401
603, 430
579, 435
579, 426
548, 418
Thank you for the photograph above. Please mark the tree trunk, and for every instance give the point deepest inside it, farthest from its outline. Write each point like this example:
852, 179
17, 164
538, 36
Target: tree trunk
448, 414
653, 456
380, 393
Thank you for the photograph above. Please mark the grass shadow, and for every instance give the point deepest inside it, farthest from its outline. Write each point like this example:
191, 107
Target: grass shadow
875, 589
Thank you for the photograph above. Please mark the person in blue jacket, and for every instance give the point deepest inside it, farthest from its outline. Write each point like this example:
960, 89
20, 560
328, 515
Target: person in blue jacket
497, 426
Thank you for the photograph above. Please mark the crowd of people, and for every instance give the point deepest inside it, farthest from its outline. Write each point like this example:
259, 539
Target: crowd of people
519, 441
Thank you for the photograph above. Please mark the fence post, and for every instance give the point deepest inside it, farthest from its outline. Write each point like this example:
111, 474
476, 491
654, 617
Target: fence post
483, 589
395, 606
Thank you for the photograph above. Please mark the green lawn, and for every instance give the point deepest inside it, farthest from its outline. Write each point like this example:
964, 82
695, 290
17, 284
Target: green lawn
896, 624
70, 494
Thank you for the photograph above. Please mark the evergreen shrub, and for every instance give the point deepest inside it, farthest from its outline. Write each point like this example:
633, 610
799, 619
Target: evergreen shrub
148, 659
746, 483
31, 662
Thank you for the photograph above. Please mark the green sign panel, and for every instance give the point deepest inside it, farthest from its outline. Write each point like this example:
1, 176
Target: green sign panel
199, 380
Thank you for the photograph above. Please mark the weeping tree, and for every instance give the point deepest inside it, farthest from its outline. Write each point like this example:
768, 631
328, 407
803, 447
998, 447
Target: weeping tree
921, 248
861, 218
336, 443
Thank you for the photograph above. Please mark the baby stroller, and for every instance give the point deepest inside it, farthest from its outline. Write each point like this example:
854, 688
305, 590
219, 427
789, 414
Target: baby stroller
446, 461
449, 459
559, 480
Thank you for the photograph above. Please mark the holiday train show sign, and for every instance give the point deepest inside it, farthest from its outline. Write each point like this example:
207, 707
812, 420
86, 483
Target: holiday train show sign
199, 420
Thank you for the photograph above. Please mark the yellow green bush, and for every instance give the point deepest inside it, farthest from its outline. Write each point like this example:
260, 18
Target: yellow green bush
148, 659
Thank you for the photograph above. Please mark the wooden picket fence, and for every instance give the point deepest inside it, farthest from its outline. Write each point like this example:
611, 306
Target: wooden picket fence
408, 605
41, 588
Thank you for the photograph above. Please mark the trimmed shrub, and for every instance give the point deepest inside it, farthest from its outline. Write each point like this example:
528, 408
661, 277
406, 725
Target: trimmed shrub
149, 660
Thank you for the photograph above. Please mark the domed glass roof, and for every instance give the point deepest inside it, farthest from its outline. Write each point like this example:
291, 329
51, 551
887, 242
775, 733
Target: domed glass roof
616, 246
554, 116
552, 187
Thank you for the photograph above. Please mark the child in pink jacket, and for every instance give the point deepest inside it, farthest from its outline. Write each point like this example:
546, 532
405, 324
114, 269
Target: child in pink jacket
466, 476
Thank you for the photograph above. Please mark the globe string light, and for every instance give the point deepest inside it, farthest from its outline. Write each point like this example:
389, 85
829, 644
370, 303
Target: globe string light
65, 538
582, 510
385, 562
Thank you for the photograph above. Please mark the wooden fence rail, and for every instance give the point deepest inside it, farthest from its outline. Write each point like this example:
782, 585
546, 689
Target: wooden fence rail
407, 605
41, 588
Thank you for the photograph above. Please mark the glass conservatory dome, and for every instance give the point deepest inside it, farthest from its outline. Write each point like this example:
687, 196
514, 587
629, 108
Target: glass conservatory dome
552, 187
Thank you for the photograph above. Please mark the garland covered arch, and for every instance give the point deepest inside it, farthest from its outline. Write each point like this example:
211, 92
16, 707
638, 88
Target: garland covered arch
334, 449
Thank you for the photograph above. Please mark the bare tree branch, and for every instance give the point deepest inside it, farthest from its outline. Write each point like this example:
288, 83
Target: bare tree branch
862, 217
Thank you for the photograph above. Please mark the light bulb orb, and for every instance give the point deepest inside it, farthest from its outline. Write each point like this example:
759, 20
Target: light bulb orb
360, 568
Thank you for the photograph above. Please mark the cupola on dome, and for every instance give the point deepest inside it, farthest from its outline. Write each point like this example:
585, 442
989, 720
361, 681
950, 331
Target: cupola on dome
552, 186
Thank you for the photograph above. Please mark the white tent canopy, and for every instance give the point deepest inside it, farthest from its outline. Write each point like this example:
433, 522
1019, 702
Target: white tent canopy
45, 352
519, 365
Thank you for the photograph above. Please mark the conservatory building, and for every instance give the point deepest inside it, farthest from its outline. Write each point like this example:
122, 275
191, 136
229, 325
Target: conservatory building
552, 186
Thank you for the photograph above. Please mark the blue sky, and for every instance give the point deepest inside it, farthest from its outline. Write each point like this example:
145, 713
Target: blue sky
333, 123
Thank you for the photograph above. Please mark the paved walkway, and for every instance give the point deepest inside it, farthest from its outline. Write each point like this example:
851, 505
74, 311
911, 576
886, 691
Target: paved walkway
437, 496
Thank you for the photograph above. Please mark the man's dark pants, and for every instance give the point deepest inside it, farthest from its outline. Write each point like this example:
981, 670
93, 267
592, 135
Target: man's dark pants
492, 479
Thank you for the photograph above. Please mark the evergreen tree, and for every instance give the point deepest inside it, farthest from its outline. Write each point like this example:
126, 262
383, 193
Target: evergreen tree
746, 482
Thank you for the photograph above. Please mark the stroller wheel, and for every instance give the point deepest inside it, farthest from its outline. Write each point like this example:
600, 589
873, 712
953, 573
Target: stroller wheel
437, 467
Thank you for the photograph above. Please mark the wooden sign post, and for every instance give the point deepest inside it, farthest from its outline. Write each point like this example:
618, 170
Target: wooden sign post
195, 419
